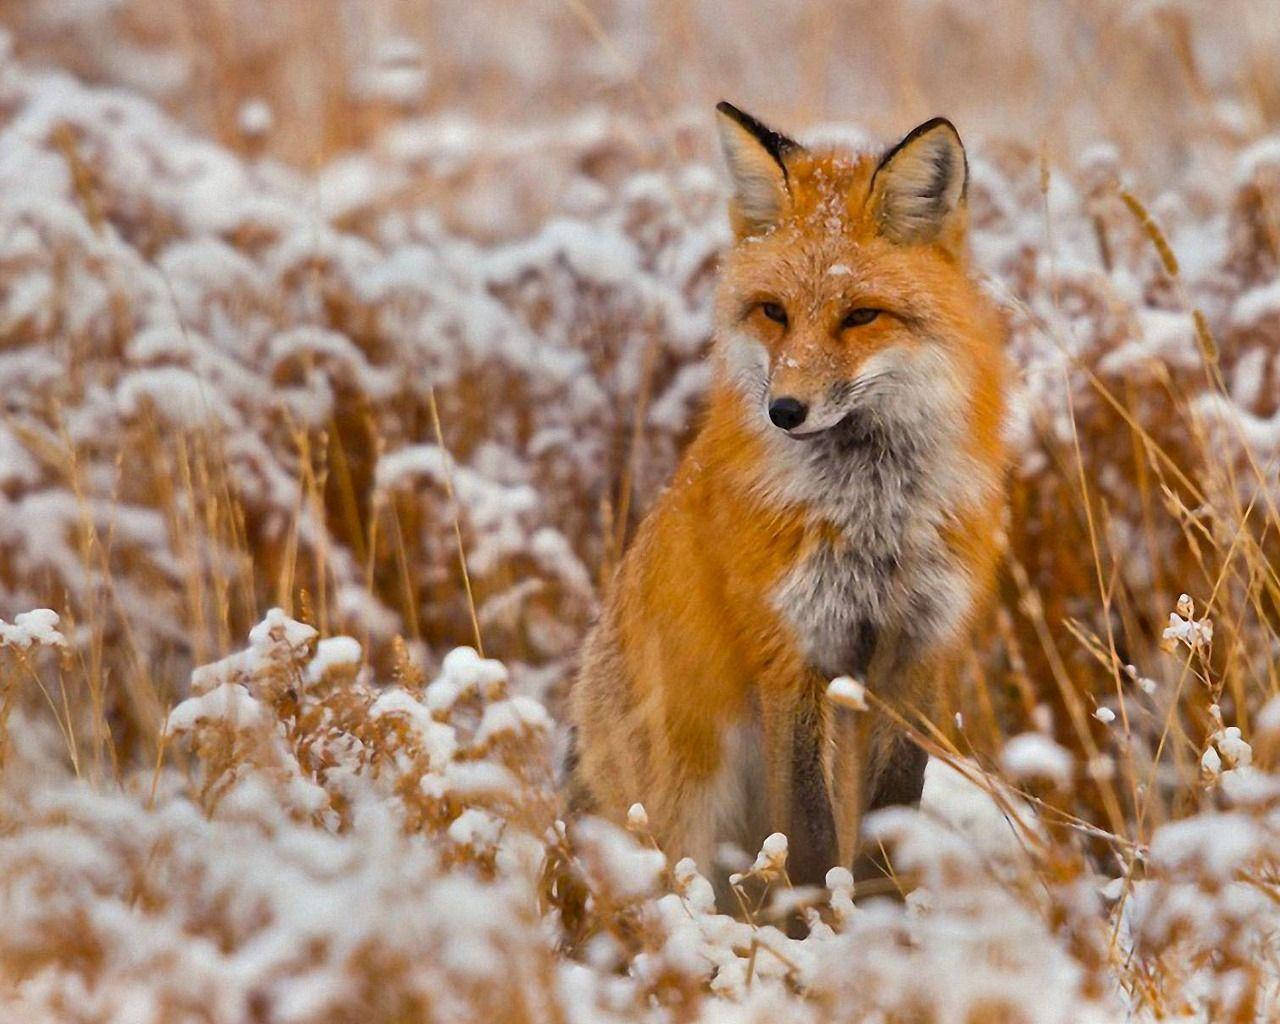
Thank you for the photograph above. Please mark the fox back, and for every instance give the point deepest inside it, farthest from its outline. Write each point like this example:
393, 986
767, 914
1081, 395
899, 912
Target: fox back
836, 514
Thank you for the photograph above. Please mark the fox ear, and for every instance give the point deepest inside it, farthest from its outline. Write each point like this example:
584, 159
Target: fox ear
756, 157
918, 190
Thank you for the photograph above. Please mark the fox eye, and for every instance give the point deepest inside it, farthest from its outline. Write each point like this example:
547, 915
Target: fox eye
774, 312
859, 317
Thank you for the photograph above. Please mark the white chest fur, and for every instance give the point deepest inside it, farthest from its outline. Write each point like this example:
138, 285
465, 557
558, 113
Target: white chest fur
883, 568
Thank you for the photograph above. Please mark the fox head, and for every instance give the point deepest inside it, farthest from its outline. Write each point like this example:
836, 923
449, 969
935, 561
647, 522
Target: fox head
846, 288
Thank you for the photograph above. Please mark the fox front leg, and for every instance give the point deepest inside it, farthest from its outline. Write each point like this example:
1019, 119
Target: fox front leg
797, 799
850, 753
892, 772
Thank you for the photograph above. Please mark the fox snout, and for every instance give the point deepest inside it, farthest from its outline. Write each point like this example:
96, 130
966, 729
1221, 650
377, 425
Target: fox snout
801, 409
795, 399
808, 384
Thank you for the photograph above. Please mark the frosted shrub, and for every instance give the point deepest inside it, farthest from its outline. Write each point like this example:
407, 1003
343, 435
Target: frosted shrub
338, 848
302, 871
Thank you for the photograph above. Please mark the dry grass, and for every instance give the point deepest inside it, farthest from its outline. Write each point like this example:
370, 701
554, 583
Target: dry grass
418, 389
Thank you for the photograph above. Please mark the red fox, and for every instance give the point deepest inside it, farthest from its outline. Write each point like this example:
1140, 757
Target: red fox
835, 515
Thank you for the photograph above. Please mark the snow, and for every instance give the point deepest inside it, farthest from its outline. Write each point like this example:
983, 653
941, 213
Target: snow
1257, 304
476, 828
517, 715
1219, 842
619, 865
1195, 635
437, 739
334, 652
277, 629
1267, 720
773, 854
1255, 160
985, 813
637, 819
1033, 755
255, 118
1163, 337
33, 628
462, 673
230, 702
847, 692
178, 396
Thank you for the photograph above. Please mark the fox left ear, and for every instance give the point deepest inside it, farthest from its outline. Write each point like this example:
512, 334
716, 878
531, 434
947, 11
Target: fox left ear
757, 157
918, 190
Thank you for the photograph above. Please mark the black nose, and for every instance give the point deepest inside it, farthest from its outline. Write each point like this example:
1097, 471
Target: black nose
787, 412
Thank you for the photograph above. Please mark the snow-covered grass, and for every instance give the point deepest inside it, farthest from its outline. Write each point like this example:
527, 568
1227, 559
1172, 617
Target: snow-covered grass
298, 420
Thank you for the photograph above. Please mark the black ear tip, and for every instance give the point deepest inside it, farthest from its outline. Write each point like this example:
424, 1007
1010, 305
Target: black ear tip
775, 143
919, 130
729, 110
935, 123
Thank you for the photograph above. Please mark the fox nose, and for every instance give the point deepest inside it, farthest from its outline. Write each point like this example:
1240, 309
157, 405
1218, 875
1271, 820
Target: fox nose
788, 412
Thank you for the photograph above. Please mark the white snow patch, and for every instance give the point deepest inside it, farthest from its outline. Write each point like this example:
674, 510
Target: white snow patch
1033, 755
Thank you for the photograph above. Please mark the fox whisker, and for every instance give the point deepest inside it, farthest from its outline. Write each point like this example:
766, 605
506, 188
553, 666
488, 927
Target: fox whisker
856, 388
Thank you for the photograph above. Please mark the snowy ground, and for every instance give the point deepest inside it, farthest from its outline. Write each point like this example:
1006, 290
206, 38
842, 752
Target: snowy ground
240, 376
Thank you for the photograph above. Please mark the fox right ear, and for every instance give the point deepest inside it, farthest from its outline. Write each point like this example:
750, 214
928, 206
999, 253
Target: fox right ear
756, 157
918, 190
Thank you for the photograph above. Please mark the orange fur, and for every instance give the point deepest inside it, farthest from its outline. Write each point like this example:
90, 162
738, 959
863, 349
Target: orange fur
692, 655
